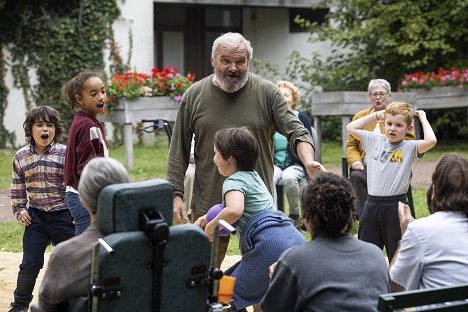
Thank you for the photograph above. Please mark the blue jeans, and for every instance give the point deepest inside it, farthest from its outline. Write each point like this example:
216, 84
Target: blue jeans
80, 215
46, 227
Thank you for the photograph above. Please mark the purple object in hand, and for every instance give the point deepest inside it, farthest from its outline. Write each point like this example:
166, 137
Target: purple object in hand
212, 213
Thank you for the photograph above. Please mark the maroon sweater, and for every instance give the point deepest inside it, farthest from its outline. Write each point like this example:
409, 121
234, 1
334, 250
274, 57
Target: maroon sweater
82, 146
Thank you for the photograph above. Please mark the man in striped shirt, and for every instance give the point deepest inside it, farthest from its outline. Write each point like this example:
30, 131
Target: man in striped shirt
38, 197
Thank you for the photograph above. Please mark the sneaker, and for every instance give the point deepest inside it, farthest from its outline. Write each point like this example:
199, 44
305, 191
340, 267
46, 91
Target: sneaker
14, 307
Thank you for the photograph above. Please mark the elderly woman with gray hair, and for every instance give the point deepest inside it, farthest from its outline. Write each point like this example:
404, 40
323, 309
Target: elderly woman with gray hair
379, 95
69, 269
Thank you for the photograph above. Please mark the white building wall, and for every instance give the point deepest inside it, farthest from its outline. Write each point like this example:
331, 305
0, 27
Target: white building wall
136, 16
268, 31
266, 28
16, 109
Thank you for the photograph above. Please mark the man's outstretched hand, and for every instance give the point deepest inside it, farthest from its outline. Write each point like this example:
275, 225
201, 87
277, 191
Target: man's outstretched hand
180, 213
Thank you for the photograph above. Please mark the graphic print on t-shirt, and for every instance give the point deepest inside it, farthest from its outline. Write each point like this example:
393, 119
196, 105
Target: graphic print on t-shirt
397, 156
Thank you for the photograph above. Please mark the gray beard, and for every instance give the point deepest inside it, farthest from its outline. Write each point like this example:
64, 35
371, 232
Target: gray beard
230, 88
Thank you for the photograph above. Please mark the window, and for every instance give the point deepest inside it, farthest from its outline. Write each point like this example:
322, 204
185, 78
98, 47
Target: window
184, 34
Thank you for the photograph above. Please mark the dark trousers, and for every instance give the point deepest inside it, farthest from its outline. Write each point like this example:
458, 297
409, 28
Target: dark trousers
358, 180
223, 241
379, 223
46, 227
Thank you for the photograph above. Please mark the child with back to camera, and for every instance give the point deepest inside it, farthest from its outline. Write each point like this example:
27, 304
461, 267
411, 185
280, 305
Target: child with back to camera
38, 197
390, 158
264, 233
334, 271
85, 93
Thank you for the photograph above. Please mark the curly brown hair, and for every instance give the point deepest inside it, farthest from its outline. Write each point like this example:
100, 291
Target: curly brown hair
74, 87
450, 181
44, 113
328, 204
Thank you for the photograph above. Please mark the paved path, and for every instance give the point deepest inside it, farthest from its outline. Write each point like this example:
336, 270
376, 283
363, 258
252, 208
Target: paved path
422, 173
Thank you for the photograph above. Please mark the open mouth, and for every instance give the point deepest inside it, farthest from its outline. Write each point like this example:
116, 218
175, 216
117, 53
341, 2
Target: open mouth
233, 75
100, 105
44, 136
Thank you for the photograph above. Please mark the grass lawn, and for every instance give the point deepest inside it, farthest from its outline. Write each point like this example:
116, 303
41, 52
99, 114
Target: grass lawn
150, 162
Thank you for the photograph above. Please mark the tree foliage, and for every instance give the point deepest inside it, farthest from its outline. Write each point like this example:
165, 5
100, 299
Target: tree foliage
387, 38
55, 39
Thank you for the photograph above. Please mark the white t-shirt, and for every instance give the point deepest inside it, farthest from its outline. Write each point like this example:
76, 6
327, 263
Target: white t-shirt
388, 164
433, 252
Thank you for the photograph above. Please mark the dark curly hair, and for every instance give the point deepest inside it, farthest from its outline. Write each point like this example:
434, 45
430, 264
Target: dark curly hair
74, 87
450, 180
240, 143
44, 113
328, 204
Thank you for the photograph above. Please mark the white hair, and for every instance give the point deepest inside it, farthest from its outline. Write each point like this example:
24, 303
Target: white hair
376, 83
232, 40
98, 173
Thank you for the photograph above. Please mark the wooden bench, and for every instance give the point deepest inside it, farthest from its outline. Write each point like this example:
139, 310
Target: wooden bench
447, 299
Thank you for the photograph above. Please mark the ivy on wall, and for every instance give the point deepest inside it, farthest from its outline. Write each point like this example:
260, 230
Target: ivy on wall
57, 39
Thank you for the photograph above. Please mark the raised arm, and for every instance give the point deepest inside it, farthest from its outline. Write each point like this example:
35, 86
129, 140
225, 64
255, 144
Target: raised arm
355, 127
430, 139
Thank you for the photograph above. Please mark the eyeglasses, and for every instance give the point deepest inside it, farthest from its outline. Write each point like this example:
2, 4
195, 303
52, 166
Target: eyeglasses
381, 94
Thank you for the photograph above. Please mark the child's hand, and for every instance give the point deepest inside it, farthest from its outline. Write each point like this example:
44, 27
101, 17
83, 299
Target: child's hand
201, 222
209, 230
357, 165
25, 218
421, 114
380, 115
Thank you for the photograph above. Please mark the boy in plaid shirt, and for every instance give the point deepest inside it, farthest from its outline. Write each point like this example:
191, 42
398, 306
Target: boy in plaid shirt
38, 197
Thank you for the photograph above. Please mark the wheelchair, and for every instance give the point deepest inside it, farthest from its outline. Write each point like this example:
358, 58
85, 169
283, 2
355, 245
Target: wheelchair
143, 263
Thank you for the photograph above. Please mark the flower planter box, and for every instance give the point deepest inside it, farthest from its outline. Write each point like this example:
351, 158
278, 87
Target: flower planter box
134, 110
441, 97
129, 111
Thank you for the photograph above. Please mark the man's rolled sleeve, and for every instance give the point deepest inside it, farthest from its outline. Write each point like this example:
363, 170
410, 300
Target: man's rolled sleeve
179, 150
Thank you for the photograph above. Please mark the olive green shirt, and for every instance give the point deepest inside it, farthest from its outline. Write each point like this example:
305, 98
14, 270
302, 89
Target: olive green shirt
205, 109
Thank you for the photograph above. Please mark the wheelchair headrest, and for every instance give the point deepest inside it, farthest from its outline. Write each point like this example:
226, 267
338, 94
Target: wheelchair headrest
119, 205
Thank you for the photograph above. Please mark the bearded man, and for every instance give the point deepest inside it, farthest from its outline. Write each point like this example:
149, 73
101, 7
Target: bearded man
230, 97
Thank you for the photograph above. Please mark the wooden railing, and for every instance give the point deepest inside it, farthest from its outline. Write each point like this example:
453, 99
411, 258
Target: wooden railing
348, 103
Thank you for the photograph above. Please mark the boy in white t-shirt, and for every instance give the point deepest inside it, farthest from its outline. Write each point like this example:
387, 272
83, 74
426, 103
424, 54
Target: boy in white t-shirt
390, 158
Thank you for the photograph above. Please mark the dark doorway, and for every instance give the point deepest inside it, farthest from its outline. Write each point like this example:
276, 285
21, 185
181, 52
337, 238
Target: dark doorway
184, 34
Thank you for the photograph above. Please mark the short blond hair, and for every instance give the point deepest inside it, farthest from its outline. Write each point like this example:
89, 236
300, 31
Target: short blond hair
402, 108
296, 96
